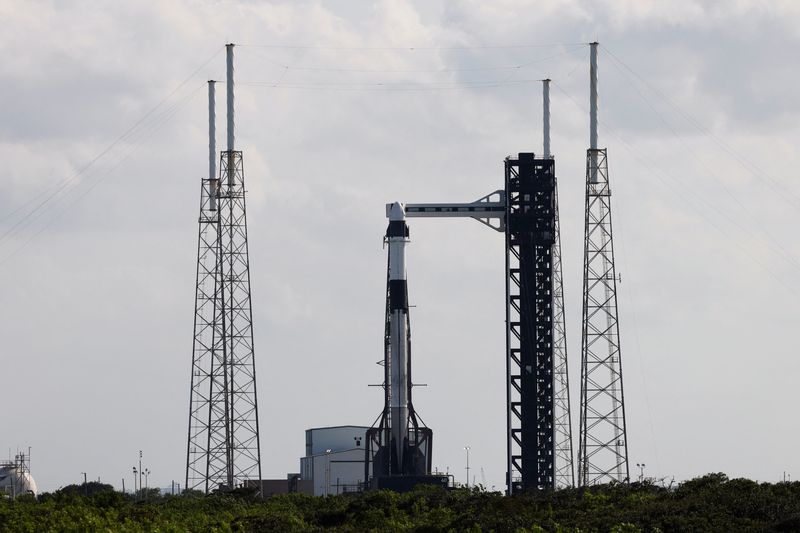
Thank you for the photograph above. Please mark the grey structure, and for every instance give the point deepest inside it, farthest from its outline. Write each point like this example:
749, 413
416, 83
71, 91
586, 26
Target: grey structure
603, 448
565, 471
538, 437
223, 449
530, 237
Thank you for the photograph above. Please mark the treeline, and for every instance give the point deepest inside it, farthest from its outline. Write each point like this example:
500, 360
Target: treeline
709, 503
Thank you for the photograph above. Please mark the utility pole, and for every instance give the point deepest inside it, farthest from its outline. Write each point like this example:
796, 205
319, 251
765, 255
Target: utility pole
140, 470
641, 471
467, 449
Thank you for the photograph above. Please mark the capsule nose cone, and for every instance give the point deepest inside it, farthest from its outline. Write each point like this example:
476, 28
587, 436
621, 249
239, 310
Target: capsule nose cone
397, 211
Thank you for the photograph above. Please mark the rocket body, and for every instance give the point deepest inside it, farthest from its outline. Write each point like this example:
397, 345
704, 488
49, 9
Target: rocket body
399, 382
399, 446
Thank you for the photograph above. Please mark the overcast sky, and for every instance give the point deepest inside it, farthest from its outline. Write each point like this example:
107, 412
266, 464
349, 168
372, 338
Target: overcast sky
344, 106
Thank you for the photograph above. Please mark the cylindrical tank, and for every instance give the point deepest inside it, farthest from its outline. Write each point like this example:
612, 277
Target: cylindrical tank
14, 481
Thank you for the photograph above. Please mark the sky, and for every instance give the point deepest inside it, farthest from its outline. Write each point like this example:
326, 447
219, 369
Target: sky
343, 107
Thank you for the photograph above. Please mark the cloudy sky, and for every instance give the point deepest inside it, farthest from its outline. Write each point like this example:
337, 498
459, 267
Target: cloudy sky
342, 107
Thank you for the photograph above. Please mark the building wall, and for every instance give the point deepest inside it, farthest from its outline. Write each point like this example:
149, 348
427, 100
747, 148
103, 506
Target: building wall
335, 439
335, 472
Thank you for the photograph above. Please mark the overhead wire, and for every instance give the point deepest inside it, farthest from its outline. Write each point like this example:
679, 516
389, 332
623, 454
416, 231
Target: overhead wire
391, 85
666, 179
630, 297
141, 137
749, 166
412, 47
419, 70
133, 137
755, 222
48, 194
47, 200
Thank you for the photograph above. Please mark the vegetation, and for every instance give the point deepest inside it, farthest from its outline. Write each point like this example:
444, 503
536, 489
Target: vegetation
709, 503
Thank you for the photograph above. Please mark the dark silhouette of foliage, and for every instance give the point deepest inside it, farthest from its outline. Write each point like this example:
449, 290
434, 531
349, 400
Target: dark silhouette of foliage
708, 503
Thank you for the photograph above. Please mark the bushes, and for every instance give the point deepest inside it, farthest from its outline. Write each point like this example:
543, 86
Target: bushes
709, 503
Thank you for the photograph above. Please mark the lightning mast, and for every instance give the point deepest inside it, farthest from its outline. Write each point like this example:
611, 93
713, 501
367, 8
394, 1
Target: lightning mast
223, 445
565, 472
603, 448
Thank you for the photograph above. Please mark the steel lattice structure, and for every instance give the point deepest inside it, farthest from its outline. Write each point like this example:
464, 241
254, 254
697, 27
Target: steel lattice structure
224, 449
530, 237
603, 448
539, 436
207, 342
565, 472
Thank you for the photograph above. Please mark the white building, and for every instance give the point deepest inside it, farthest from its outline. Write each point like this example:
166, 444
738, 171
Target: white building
334, 459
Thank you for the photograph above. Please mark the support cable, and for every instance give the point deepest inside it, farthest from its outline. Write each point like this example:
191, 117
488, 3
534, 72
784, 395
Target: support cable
143, 134
52, 192
744, 163
680, 192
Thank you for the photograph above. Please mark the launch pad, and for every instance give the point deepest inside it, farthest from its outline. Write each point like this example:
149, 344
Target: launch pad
223, 449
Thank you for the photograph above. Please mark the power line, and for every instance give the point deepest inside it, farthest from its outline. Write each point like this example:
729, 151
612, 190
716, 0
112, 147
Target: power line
58, 193
48, 194
744, 163
665, 179
420, 70
411, 48
387, 86
710, 171
151, 128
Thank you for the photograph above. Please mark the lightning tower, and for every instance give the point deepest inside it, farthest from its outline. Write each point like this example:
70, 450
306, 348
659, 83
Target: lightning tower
565, 472
223, 444
603, 449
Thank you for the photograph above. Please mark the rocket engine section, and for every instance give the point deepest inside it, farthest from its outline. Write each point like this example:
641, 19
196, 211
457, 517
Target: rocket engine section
399, 447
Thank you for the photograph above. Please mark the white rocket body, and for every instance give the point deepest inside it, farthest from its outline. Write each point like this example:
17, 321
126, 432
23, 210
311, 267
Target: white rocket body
399, 383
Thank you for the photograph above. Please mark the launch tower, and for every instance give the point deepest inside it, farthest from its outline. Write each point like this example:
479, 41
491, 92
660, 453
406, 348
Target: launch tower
538, 437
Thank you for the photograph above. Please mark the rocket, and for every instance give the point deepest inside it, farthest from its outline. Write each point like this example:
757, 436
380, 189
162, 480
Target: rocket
399, 445
399, 361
